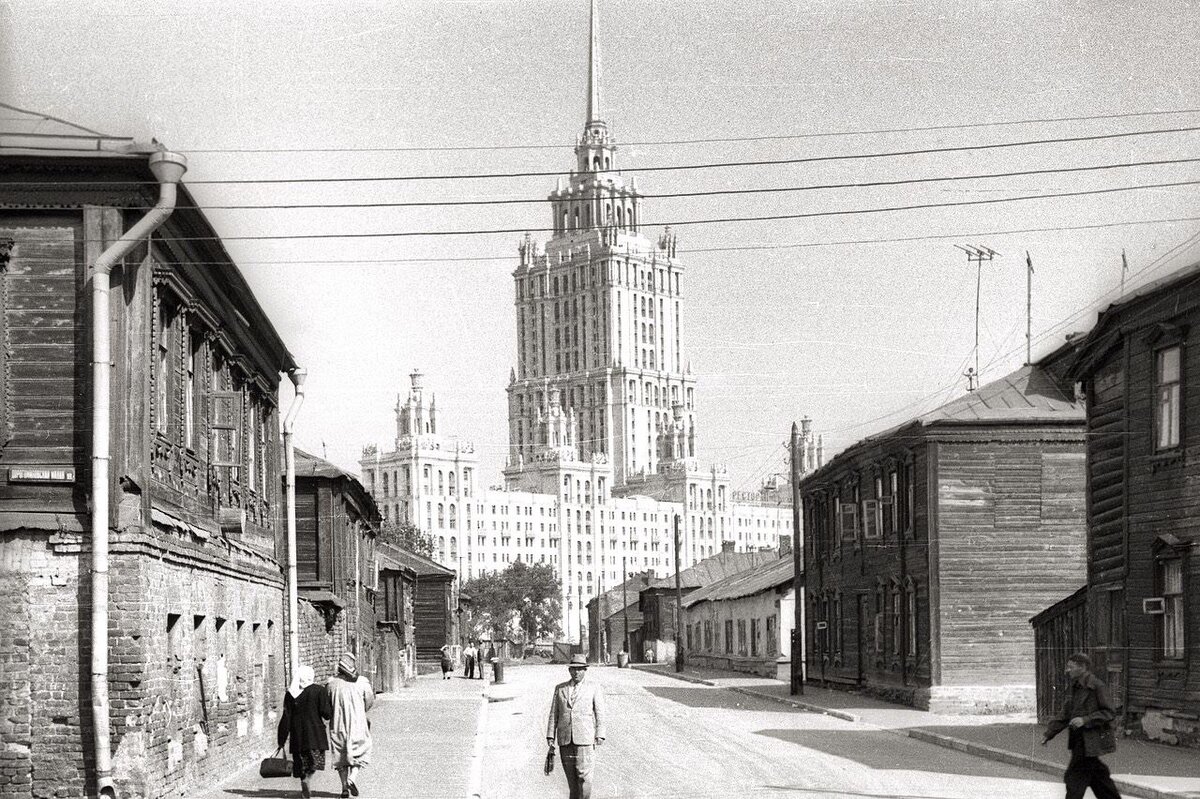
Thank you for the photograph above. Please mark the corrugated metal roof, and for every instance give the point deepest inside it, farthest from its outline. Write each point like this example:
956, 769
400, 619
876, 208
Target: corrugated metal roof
1029, 395
423, 566
747, 583
718, 567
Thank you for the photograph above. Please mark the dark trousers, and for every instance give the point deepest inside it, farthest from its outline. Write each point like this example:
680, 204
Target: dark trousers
469, 668
1088, 772
577, 765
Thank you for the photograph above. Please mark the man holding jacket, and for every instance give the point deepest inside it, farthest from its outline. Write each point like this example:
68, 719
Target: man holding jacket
1088, 713
576, 724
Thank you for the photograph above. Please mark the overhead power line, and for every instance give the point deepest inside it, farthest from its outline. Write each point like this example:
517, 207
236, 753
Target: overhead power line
862, 184
675, 142
687, 222
664, 168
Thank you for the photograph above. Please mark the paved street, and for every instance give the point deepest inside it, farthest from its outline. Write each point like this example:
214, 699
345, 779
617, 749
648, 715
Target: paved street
668, 738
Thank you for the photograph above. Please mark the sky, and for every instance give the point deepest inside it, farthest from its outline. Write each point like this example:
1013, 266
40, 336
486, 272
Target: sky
856, 320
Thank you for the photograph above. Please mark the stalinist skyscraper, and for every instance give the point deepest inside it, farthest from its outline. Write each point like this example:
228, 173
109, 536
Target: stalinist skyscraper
601, 383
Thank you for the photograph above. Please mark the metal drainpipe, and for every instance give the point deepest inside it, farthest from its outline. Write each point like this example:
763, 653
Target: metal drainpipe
296, 375
168, 168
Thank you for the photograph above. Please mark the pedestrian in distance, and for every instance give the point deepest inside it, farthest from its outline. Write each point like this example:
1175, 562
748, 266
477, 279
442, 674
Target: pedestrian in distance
447, 662
306, 708
469, 661
576, 724
1088, 714
351, 697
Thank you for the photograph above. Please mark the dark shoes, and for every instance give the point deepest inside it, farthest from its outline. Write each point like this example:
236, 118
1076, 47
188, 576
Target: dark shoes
304, 791
353, 789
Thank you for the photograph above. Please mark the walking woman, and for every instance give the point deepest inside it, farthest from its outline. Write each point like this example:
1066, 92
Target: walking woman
447, 663
349, 732
306, 708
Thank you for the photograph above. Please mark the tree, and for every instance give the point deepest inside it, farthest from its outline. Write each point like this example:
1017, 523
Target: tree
408, 537
522, 595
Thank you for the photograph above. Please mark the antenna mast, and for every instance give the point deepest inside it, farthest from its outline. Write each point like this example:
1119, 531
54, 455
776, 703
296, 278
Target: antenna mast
977, 254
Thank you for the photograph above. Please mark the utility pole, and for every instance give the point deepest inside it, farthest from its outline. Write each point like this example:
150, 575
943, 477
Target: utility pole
797, 645
1124, 271
678, 601
977, 254
625, 602
1028, 309
580, 587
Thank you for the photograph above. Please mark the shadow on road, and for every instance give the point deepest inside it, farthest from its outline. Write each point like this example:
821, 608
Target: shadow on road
890, 752
714, 698
281, 792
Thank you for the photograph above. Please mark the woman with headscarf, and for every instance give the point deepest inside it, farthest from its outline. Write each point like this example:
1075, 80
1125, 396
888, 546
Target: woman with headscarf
349, 732
447, 662
306, 708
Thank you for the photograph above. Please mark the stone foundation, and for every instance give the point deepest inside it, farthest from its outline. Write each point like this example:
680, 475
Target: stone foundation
1166, 726
978, 700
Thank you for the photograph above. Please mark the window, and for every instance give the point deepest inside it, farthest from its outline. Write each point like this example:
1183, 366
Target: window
897, 628
880, 609
1167, 406
1170, 580
191, 389
729, 636
847, 520
772, 637
754, 631
741, 641
441, 515
910, 604
872, 529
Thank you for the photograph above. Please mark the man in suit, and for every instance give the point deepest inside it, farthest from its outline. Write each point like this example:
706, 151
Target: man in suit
1088, 713
576, 724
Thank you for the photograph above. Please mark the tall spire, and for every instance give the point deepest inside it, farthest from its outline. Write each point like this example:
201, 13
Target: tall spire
593, 110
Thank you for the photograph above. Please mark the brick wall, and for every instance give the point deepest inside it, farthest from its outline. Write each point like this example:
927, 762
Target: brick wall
196, 664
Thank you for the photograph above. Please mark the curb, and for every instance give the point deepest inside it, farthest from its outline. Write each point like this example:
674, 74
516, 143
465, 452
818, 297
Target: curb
676, 676
969, 747
837, 714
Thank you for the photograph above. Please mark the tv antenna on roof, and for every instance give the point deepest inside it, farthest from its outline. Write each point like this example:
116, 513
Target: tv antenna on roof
977, 254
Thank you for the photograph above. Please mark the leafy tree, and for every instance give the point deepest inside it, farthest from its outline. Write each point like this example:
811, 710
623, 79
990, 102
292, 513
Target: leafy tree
523, 596
408, 537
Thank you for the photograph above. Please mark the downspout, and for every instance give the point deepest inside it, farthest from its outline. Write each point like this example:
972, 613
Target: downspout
168, 168
297, 376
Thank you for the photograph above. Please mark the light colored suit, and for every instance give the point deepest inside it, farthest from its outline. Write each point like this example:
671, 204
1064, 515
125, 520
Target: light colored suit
580, 721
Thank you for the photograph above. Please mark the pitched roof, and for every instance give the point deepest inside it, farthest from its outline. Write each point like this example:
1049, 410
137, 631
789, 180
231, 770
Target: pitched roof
610, 601
719, 566
423, 566
747, 583
1030, 395
309, 465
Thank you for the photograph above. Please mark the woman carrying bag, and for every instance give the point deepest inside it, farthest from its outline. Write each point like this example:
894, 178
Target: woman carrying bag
306, 708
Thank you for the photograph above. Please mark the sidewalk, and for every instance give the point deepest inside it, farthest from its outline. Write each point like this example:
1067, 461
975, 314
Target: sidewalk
424, 745
1139, 768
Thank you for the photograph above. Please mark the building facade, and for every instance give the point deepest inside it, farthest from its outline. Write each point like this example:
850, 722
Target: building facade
194, 605
1137, 367
601, 412
931, 545
745, 621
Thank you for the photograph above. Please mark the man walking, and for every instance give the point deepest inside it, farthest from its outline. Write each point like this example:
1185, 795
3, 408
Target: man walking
576, 724
1088, 713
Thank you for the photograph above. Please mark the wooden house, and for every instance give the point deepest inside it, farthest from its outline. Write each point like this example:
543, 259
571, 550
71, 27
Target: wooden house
435, 605
1137, 366
929, 546
193, 497
744, 622
336, 570
657, 604
395, 653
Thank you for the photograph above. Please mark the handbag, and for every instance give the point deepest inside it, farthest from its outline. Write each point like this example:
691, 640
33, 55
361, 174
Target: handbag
549, 767
277, 765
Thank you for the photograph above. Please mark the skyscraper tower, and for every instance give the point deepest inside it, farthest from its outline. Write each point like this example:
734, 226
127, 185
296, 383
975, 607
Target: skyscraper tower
598, 326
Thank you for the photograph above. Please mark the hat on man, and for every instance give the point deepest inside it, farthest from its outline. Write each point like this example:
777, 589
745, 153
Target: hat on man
347, 665
578, 662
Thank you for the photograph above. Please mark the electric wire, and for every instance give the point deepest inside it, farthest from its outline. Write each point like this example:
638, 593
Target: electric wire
674, 142
813, 159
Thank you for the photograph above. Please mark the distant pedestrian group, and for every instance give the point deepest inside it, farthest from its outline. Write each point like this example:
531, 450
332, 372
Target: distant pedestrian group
471, 661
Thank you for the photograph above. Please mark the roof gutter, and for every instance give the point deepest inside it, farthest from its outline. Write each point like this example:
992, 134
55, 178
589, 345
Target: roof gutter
168, 169
297, 376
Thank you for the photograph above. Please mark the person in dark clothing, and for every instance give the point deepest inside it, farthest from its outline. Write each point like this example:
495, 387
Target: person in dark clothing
1088, 714
447, 662
306, 708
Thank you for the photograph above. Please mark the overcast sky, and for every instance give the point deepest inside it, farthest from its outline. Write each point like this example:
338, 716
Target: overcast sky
782, 318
